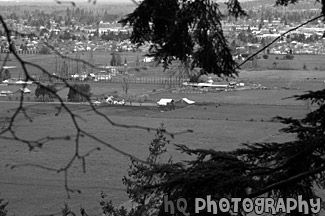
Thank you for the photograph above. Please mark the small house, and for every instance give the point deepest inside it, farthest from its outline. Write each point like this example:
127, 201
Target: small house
183, 103
6, 93
25, 90
165, 101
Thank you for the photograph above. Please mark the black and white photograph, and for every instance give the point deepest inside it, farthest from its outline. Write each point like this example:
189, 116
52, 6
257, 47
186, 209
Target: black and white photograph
162, 107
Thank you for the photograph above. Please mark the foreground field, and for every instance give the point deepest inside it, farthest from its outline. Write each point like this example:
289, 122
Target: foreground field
35, 191
222, 121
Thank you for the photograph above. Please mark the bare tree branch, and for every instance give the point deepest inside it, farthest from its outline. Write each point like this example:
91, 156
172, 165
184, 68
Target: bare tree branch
79, 131
66, 2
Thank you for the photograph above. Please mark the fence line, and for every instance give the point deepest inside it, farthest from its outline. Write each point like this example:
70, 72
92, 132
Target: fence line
172, 81
24, 52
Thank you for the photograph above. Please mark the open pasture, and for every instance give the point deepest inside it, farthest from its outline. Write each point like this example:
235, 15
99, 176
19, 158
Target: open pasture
281, 86
300, 62
223, 121
44, 190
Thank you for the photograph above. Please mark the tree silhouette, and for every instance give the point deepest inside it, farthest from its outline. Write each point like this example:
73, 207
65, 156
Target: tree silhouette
5, 76
45, 91
288, 169
118, 59
139, 175
113, 59
183, 30
79, 93
3, 205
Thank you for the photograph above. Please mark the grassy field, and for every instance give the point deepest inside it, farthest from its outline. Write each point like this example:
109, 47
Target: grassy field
223, 121
105, 169
300, 62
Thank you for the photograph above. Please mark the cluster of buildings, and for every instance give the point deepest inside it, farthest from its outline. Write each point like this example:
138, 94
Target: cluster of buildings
82, 37
305, 40
67, 38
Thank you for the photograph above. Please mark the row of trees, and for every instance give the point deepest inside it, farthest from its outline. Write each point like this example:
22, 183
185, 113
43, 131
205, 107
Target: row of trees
4, 74
69, 17
46, 93
265, 10
77, 93
116, 59
115, 37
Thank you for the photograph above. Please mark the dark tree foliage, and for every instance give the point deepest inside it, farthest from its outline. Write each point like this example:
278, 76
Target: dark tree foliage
64, 69
184, 30
44, 91
139, 175
219, 174
112, 36
192, 29
289, 169
116, 59
6, 75
113, 60
3, 210
45, 50
109, 209
79, 93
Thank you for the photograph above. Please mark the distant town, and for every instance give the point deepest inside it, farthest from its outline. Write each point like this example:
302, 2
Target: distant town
74, 29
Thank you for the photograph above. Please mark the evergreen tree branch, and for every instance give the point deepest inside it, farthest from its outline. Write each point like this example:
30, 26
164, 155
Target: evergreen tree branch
287, 181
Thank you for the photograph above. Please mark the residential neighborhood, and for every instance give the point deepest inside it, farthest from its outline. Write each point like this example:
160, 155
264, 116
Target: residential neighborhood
69, 33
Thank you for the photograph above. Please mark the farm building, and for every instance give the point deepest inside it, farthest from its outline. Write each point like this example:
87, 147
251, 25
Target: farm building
165, 101
6, 93
183, 103
6, 90
187, 101
25, 90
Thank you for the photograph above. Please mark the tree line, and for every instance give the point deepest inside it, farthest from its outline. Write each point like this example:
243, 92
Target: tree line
69, 17
77, 93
